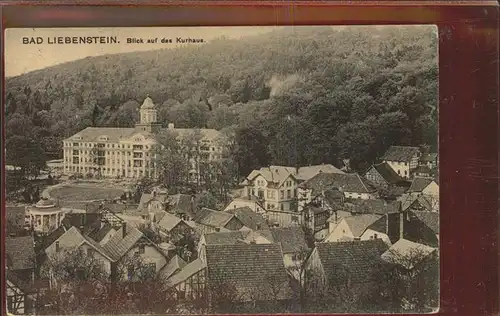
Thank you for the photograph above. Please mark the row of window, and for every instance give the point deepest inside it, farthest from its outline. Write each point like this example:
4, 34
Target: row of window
119, 146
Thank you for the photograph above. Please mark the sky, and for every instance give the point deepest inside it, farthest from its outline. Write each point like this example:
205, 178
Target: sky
21, 58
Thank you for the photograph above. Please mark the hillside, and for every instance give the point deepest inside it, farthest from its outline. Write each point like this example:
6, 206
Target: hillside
310, 95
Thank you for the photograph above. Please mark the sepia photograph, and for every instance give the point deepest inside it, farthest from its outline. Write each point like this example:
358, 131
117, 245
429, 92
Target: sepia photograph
222, 170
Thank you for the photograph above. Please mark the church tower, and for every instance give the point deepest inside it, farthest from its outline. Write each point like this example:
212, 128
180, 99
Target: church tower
149, 116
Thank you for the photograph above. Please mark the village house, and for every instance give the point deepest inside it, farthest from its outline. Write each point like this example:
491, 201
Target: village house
153, 202
409, 255
249, 219
430, 160
384, 176
174, 266
422, 171
250, 201
350, 184
424, 186
254, 272
20, 257
276, 186
20, 296
353, 265
170, 226
402, 159
352, 228
181, 205
414, 202
189, 283
208, 220
293, 247
430, 219
129, 152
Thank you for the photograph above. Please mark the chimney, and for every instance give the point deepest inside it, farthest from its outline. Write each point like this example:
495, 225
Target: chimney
401, 225
154, 193
124, 229
387, 224
57, 246
217, 229
336, 217
171, 126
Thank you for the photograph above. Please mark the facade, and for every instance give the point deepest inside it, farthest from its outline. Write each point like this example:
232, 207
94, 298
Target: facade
276, 186
129, 152
383, 175
402, 159
44, 217
249, 201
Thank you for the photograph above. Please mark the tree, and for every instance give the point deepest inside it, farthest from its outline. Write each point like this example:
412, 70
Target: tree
25, 153
143, 185
251, 150
222, 291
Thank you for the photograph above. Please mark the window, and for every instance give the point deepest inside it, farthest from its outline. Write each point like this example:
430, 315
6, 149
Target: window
282, 207
90, 252
288, 193
181, 294
142, 249
295, 219
282, 194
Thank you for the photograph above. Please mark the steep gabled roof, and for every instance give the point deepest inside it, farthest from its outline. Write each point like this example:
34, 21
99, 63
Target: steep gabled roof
174, 266
389, 175
401, 153
419, 184
249, 218
307, 172
292, 239
99, 234
407, 253
20, 252
186, 272
431, 219
360, 259
224, 238
181, 203
250, 268
372, 206
118, 245
359, 223
168, 221
212, 218
348, 182
429, 157
274, 174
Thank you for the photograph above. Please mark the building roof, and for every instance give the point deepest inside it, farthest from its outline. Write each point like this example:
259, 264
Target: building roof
148, 104
168, 221
186, 272
20, 252
431, 219
422, 169
181, 203
274, 174
212, 218
52, 237
99, 234
389, 175
253, 235
249, 218
372, 206
361, 259
292, 239
419, 184
146, 198
86, 222
359, 223
173, 266
429, 157
225, 238
17, 281
250, 268
407, 253
306, 173
347, 182
118, 245
401, 153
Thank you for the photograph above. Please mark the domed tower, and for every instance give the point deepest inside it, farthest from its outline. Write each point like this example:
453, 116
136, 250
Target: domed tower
149, 116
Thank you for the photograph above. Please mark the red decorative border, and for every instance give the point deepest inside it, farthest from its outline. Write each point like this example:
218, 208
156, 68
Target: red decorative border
468, 92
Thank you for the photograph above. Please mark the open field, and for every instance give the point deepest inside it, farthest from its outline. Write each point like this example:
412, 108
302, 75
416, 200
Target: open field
84, 193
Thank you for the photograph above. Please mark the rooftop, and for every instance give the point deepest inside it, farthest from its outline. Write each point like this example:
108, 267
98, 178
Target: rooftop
359, 223
348, 182
20, 252
212, 218
388, 173
401, 153
292, 239
407, 253
249, 218
419, 184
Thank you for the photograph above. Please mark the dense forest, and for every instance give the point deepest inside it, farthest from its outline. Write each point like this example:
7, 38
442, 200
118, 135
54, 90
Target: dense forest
295, 96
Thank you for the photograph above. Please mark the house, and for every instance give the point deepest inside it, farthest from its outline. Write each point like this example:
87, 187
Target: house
250, 201
208, 220
377, 206
253, 272
351, 227
175, 265
430, 219
20, 257
293, 246
422, 171
130, 245
154, 202
352, 264
316, 220
402, 159
424, 186
249, 218
20, 295
430, 160
408, 254
415, 202
383, 175
181, 205
169, 225
350, 184
276, 186
190, 283
284, 218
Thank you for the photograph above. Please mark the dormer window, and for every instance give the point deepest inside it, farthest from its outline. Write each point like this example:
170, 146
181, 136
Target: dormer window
103, 138
77, 137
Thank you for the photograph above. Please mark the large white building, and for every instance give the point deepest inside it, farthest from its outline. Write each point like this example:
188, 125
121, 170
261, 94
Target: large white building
129, 152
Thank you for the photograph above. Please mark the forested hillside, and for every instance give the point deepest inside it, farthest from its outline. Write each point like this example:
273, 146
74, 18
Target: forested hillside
294, 96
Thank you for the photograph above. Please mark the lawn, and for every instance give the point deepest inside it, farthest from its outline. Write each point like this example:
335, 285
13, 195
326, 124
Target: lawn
84, 193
